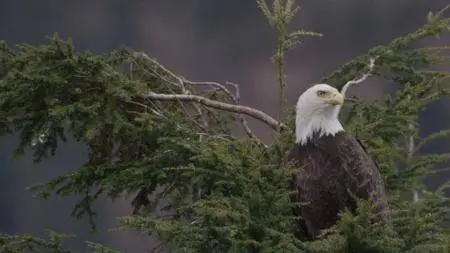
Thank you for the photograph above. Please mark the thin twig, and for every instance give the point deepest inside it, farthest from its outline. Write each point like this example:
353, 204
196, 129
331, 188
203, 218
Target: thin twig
146, 107
440, 170
244, 122
158, 247
219, 136
410, 147
145, 56
352, 100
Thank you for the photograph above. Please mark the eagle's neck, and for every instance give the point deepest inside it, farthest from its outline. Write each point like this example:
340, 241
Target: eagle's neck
314, 123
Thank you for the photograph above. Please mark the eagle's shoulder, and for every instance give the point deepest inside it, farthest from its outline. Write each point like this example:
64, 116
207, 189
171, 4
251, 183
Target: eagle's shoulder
354, 160
362, 172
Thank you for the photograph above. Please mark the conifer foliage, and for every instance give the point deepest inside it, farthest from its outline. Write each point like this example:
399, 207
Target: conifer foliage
166, 143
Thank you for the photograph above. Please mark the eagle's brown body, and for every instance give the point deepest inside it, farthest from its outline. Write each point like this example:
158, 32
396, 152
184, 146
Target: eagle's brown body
329, 166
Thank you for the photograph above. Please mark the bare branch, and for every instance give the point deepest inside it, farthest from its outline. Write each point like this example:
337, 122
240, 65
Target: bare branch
352, 100
236, 89
147, 108
254, 113
235, 98
214, 84
361, 79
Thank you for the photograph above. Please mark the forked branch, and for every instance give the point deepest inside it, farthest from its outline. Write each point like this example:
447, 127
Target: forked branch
361, 79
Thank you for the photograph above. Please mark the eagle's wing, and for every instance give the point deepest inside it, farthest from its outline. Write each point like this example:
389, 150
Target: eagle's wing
303, 231
362, 174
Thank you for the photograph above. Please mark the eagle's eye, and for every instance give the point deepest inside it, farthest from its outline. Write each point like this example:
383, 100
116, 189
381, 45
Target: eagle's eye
321, 93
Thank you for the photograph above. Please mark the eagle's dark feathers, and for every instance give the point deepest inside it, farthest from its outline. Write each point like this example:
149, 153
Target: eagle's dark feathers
332, 165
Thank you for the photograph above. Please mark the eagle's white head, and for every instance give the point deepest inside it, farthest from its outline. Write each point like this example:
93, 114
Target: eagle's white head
317, 112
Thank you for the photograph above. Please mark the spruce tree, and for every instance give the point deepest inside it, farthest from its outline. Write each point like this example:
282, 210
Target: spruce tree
153, 135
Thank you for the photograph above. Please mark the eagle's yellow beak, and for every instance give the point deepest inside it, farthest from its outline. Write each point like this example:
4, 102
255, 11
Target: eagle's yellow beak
335, 98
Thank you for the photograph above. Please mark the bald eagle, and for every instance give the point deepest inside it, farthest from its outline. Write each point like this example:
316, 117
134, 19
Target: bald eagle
333, 166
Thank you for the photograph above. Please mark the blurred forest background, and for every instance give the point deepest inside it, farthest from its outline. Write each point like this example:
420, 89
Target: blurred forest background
202, 40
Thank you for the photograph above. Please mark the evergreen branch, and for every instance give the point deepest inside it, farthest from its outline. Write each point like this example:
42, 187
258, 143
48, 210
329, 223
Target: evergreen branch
279, 17
436, 25
443, 186
266, 11
27, 243
431, 137
252, 112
